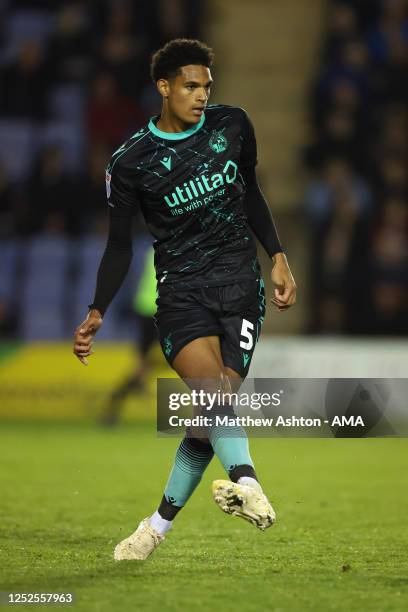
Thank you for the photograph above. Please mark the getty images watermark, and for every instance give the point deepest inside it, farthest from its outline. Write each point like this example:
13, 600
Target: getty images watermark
284, 407
209, 400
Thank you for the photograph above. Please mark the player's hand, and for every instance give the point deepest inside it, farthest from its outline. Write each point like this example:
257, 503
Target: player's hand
284, 283
84, 334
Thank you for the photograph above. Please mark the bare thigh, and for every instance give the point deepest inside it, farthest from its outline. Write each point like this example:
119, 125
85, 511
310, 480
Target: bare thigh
201, 362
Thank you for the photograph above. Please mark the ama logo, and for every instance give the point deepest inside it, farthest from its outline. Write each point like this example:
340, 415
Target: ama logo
200, 185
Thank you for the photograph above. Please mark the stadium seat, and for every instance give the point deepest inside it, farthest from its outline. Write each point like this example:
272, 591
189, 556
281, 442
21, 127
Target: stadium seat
67, 103
18, 147
44, 289
9, 251
70, 138
26, 24
46, 324
88, 257
48, 252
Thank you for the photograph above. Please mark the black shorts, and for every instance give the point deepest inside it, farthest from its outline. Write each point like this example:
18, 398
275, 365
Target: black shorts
233, 312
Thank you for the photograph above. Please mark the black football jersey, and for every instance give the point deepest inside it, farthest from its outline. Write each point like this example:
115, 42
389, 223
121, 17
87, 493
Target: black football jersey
190, 190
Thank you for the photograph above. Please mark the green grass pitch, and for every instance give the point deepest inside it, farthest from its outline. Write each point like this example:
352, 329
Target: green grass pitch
70, 492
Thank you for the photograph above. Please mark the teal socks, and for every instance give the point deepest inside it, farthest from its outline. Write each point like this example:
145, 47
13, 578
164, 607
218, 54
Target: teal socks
230, 444
192, 459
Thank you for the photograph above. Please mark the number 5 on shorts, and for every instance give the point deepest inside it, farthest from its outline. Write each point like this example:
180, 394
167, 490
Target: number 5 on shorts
246, 329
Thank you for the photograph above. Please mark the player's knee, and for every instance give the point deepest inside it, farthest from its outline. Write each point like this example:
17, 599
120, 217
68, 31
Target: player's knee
199, 436
220, 383
216, 383
199, 433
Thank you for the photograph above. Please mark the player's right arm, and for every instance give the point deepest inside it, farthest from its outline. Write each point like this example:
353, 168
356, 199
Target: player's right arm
262, 224
114, 264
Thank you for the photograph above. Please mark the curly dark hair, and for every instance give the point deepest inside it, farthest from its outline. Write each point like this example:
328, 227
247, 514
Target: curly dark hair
168, 60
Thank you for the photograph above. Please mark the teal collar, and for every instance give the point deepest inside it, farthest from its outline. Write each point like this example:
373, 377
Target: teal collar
175, 135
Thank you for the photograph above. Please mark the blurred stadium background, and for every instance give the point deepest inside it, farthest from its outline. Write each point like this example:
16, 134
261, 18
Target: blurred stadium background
325, 84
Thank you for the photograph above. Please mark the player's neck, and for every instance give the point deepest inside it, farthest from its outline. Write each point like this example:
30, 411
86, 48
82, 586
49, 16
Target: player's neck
170, 123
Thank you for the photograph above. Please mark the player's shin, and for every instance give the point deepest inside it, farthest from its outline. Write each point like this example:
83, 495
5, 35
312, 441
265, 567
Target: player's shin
192, 458
230, 444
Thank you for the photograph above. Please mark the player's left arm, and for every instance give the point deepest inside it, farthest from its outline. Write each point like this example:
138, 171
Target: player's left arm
262, 224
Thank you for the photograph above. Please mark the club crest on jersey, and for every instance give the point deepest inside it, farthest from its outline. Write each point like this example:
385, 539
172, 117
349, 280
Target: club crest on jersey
218, 143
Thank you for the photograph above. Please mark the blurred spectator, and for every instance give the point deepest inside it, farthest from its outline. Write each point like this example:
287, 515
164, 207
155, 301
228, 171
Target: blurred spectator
388, 43
24, 84
337, 138
390, 35
53, 197
71, 45
366, 11
392, 176
92, 188
7, 225
335, 181
121, 51
337, 206
177, 18
389, 270
8, 320
172, 18
357, 203
112, 117
74, 83
342, 27
34, 4
393, 135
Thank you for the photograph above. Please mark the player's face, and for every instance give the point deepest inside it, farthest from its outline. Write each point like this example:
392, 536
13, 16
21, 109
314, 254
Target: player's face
188, 93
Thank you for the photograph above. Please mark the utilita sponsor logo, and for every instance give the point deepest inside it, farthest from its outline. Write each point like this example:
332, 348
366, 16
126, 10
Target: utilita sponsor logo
201, 185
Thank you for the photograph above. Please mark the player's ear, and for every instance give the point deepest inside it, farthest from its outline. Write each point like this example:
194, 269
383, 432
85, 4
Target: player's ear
163, 87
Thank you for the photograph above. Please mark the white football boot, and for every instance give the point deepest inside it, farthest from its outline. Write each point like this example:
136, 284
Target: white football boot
140, 544
244, 501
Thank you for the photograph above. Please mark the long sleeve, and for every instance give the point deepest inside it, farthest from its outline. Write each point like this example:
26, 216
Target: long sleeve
259, 216
256, 208
115, 261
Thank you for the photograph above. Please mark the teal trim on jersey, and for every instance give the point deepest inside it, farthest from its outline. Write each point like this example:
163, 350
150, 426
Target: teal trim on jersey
176, 135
